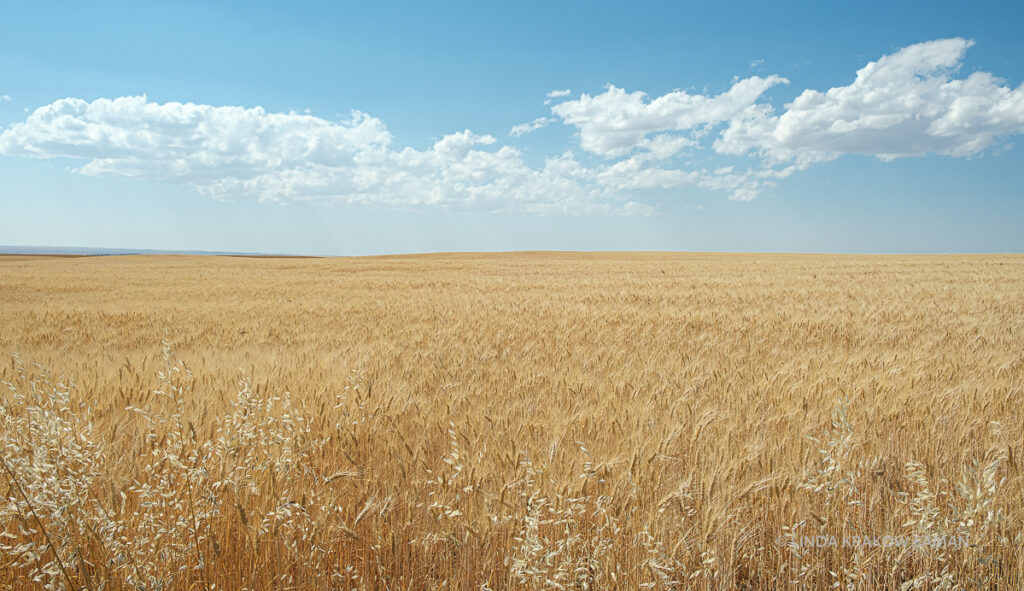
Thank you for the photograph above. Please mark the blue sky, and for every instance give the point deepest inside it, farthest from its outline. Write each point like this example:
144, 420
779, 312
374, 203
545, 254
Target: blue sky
326, 128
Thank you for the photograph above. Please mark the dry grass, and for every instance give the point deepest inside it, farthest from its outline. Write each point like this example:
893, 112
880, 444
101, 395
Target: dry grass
518, 421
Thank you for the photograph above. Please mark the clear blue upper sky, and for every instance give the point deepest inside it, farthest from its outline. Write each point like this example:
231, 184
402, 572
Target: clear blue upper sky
332, 128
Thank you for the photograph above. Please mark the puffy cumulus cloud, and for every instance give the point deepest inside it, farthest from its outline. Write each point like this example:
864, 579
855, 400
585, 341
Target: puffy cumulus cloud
662, 146
635, 173
198, 144
908, 103
615, 122
234, 152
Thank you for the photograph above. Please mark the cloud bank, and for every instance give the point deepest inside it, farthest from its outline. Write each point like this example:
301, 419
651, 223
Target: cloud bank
233, 152
905, 104
616, 122
908, 103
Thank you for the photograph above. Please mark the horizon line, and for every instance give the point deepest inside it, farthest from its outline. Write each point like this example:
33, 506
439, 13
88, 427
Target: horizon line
91, 251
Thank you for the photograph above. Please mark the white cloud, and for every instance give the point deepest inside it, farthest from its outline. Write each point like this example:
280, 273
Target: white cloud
904, 104
556, 94
908, 103
746, 185
525, 128
5, 98
634, 173
186, 142
233, 152
665, 145
615, 122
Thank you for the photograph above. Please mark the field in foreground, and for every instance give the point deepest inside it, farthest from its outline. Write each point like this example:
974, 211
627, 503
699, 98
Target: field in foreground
518, 421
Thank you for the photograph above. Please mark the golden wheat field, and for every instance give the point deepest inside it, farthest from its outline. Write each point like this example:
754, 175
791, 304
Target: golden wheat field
512, 421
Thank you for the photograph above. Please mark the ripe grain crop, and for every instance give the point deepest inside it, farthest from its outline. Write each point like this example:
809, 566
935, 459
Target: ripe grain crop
512, 421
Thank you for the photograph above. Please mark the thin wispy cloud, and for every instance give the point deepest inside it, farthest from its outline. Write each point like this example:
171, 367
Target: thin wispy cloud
912, 102
525, 128
556, 94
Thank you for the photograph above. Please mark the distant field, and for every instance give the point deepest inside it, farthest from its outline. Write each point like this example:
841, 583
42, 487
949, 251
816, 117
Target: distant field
513, 421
